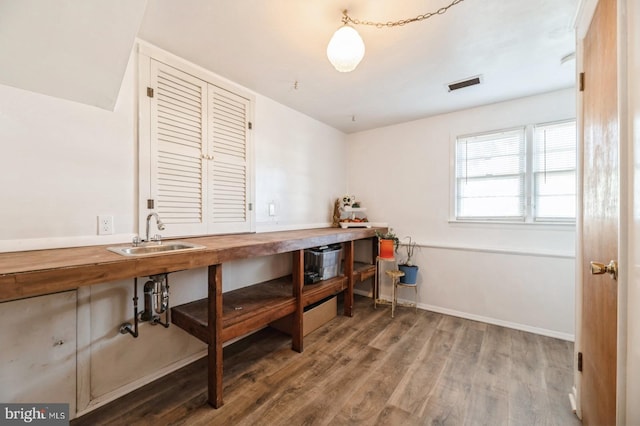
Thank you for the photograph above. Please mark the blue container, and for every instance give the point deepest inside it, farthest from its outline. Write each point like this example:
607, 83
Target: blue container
410, 274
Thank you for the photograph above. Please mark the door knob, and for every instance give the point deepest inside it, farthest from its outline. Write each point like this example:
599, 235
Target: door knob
598, 268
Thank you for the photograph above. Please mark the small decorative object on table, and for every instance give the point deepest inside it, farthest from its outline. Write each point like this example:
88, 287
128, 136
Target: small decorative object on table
336, 213
349, 213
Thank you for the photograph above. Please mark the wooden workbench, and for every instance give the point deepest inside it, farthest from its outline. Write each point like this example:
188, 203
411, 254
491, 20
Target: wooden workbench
212, 320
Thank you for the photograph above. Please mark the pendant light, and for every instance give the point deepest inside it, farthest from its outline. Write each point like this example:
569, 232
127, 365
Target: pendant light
345, 49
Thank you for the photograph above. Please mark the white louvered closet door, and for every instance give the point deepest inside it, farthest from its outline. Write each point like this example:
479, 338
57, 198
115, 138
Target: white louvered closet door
228, 153
178, 146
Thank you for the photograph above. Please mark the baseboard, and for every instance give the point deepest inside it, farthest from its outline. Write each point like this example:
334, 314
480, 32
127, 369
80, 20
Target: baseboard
572, 401
494, 321
364, 293
488, 320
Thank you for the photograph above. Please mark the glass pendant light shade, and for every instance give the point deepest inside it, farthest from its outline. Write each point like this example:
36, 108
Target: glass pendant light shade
345, 49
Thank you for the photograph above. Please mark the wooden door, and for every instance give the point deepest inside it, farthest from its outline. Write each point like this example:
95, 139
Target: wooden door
600, 211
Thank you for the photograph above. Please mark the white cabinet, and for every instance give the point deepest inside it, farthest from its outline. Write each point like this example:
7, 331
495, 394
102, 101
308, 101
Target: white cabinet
196, 156
38, 355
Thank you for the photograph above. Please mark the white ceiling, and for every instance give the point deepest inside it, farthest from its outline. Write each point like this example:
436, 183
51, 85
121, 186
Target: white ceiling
70, 49
268, 46
516, 45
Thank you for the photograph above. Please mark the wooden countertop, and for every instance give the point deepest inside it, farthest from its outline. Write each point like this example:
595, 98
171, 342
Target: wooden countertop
32, 273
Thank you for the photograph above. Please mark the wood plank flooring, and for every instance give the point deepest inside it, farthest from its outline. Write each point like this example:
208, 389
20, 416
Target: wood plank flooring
416, 369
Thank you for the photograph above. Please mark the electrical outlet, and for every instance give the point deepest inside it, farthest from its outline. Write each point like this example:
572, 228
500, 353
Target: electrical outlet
105, 225
272, 209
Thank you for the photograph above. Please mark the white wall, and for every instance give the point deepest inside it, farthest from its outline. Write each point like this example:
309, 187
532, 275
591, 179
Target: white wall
402, 175
301, 168
64, 163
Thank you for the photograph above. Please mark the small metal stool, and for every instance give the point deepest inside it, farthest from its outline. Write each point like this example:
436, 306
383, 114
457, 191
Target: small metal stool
395, 275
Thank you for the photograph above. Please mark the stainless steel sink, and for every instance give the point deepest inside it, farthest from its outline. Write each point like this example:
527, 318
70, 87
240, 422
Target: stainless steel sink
147, 249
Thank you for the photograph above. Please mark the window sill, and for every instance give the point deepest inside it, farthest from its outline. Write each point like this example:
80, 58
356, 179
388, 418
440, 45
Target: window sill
560, 226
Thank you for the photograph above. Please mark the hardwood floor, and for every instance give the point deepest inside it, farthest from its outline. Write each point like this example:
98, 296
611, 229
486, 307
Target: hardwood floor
416, 369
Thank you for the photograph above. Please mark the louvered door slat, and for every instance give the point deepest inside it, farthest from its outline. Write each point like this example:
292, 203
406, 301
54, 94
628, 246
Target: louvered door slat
174, 137
234, 124
224, 136
178, 118
185, 101
229, 193
171, 101
230, 101
229, 139
230, 148
178, 87
174, 124
229, 130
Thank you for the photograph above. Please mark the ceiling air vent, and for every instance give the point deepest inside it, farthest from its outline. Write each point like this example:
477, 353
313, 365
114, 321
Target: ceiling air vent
464, 83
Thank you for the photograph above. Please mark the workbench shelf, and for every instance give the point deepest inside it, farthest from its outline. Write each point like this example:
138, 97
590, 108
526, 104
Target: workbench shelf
243, 310
250, 308
363, 271
312, 293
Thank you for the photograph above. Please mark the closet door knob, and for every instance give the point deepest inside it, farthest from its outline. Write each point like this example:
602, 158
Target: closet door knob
598, 268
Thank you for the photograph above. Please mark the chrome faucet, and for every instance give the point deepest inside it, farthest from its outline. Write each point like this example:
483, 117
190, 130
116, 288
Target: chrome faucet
159, 224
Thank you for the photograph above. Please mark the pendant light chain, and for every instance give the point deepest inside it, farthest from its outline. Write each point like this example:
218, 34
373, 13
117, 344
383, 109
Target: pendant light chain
348, 19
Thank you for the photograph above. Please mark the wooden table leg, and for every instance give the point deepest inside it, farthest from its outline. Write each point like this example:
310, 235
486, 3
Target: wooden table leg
215, 336
297, 338
348, 271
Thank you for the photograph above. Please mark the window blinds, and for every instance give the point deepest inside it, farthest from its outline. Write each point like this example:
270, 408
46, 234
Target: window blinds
554, 170
490, 176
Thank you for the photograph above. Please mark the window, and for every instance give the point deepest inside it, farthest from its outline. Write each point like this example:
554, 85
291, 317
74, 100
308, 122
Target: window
554, 172
527, 174
490, 176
